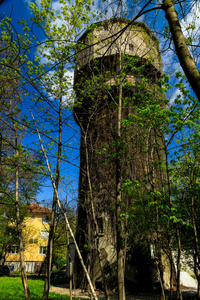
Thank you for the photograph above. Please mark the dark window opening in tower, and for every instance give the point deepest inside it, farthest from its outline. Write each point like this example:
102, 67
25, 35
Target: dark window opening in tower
100, 225
131, 47
106, 26
138, 79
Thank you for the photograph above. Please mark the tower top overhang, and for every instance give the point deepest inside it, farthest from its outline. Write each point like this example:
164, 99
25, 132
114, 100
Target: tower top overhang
126, 21
109, 37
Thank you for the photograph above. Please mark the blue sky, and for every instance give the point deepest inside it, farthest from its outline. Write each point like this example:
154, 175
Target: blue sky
18, 9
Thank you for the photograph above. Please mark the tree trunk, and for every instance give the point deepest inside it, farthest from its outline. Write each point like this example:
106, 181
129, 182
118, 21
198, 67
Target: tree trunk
65, 217
160, 270
162, 296
2, 260
119, 229
169, 238
178, 289
95, 223
53, 213
186, 61
171, 268
19, 232
197, 250
198, 287
42, 265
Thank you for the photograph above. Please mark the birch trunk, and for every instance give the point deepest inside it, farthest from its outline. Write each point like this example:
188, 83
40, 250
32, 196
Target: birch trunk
178, 290
95, 223
19, 231
119, 229
197, 250
66, 219
53, 213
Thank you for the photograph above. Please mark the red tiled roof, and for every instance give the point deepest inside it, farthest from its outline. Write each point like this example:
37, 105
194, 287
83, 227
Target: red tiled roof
36, 208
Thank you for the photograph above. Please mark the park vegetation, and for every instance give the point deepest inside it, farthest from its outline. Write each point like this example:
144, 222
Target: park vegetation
162, 205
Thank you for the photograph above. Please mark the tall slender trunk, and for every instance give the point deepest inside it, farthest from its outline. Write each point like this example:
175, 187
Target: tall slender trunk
159, 267
53, 213
187, 63
65, 217
171, 268
168, 224
119, 229
3, 255
19, 231
94, 218
197, 250
178, 290
70, 264
159, 248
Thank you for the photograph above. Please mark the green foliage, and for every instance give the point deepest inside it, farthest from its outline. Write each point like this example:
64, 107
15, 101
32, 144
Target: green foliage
60, 237
61, 262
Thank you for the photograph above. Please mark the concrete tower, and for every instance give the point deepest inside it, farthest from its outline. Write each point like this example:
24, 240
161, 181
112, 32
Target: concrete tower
100, 75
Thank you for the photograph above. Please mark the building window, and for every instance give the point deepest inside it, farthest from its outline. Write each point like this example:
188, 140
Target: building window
13, 250
31, 241
44, 234
131, 47
100, 225
138, 79
43, 250
45, 219
105, 26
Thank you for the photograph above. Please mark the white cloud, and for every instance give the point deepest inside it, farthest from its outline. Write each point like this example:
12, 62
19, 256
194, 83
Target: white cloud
174, 96
110, 9
191, 28
57, 6
29, 1
53, 88
192, 18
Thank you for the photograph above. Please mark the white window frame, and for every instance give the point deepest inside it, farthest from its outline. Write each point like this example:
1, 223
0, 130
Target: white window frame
44, 234
45, 219
13, 250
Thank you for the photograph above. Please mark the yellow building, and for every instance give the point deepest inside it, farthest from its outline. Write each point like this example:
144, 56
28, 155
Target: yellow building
35, 237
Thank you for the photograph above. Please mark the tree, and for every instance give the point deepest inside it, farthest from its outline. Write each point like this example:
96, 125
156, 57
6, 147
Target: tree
58, 83
186, 61
174, 13
54, 86
14, 161
185, 188
60, 236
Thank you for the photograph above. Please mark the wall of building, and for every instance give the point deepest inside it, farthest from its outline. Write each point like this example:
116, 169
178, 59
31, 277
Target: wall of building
101, 42
31, 230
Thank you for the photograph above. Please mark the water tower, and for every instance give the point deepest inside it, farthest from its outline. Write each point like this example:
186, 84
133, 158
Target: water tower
104, 51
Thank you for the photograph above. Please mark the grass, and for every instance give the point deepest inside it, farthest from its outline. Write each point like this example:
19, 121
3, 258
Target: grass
12, 289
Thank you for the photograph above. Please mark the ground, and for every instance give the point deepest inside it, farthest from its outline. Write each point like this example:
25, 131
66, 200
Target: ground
188, 294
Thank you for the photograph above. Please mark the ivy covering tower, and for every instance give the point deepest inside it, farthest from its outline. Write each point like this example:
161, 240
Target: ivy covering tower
110, 63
